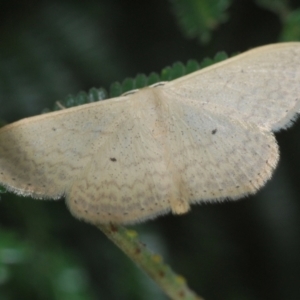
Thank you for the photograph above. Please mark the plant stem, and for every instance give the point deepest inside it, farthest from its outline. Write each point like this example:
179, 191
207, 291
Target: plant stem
127, 240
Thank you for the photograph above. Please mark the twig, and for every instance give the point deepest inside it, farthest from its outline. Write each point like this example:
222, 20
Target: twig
172, 284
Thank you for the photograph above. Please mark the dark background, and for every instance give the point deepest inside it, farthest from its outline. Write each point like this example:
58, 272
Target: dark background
249, 249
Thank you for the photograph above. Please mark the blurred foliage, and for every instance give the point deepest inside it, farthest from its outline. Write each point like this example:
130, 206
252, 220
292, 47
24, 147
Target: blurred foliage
291, 30
27, 272
237, 250
280, 7
199, 18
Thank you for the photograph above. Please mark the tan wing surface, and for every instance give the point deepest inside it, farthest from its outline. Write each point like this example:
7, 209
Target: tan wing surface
215, 157
43, 155
260, 86
129, 179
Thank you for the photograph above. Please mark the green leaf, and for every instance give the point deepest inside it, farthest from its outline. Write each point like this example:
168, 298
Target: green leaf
115, 90
192, 66
140, 81
153, 78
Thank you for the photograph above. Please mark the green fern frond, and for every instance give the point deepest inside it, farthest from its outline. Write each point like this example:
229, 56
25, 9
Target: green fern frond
177, 70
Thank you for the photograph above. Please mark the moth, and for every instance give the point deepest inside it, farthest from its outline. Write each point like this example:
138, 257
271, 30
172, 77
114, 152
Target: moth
207, 136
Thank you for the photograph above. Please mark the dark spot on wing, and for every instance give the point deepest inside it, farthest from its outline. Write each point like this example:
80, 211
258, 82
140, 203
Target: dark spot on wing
113, 159
214, 131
